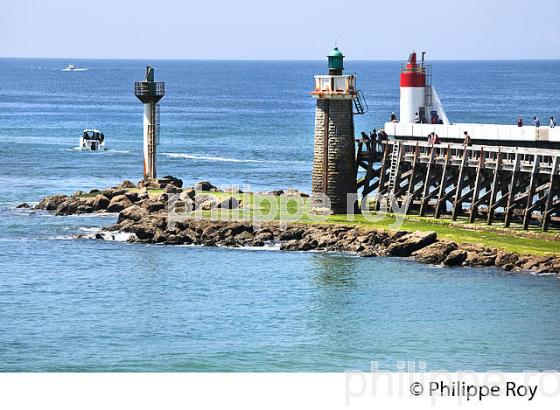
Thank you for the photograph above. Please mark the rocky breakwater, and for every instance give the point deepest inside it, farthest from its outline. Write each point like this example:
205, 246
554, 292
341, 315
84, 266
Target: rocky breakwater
145, 218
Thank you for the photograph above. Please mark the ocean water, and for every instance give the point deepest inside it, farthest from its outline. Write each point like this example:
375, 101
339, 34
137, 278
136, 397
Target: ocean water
86, 305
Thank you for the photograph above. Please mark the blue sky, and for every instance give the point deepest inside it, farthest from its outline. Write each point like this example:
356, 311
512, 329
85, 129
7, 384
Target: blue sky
283, 29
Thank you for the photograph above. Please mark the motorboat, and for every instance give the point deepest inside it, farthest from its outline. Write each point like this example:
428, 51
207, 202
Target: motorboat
92, 140
72, 67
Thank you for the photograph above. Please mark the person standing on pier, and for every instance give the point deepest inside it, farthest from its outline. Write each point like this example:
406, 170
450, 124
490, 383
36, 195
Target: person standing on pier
373, 138
381, 136
417, 118
552, 122
520, 122
433, 138
536, 121
468, 141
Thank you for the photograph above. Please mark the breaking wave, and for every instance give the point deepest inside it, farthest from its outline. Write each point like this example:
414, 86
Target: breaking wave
223, 159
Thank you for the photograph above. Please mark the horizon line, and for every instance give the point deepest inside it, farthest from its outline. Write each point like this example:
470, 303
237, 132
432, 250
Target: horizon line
267, 59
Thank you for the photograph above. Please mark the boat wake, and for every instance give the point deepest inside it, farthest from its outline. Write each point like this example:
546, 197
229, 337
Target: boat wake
105, 150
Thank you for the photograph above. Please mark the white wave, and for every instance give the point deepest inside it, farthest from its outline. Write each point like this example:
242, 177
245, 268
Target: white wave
208, 158
92, 215
117, 151
90, 229
223, 159
266, 247
118, 236
97, 233
62, 237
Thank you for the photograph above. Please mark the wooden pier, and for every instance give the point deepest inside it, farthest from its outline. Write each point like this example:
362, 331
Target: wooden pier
480, 182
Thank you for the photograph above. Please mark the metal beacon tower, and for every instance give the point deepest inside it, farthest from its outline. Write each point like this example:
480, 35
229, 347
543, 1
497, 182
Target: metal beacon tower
150, 92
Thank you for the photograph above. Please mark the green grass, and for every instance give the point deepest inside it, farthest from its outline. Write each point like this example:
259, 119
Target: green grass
514, 239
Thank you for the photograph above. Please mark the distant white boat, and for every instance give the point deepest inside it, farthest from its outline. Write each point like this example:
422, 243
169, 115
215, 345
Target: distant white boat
72, 67
92, 140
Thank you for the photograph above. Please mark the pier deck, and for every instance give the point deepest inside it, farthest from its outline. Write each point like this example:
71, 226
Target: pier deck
480, 181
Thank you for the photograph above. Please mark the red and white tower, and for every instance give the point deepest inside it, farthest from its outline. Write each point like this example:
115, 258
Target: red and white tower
413, 90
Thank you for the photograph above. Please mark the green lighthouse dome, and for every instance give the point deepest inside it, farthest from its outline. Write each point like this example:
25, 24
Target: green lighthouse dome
336, 60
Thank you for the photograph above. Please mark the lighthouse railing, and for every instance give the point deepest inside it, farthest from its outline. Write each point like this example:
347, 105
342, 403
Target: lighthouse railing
335, 83
149, 89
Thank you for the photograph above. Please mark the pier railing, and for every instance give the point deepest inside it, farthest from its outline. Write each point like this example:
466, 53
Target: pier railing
496, 134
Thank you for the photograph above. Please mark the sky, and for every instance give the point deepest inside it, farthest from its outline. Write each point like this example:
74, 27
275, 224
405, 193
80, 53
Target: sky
280, 30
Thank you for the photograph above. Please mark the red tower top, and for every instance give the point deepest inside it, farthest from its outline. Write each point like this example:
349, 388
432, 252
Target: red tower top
412, 73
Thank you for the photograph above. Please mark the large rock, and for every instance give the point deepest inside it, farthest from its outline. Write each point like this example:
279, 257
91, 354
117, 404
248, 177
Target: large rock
506, 259
326, 240
175, 181
143, 193
132, 196
100, 202
187, 194
407, 244
113, 192
133, 213
291, 245
172, 189
143, 231
455, 258
307, 244
264, 235
84, 209
532, 262
204, 186
229, 203
435, 253
161, 236
291, 234
127, 184
206, 202
479, 259
68, 207
23, 205
118, 203
50, 203
153, 205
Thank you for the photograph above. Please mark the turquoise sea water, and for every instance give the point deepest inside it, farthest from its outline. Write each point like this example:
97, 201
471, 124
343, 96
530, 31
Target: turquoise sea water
86, 305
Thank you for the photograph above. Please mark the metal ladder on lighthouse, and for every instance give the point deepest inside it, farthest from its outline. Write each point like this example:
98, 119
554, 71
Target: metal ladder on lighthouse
360, 103
387, 199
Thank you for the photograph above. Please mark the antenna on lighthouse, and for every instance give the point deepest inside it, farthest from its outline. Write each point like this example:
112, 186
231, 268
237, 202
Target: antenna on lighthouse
150, 92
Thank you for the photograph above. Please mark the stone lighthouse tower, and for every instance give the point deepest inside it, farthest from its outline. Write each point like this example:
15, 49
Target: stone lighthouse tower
334, 166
